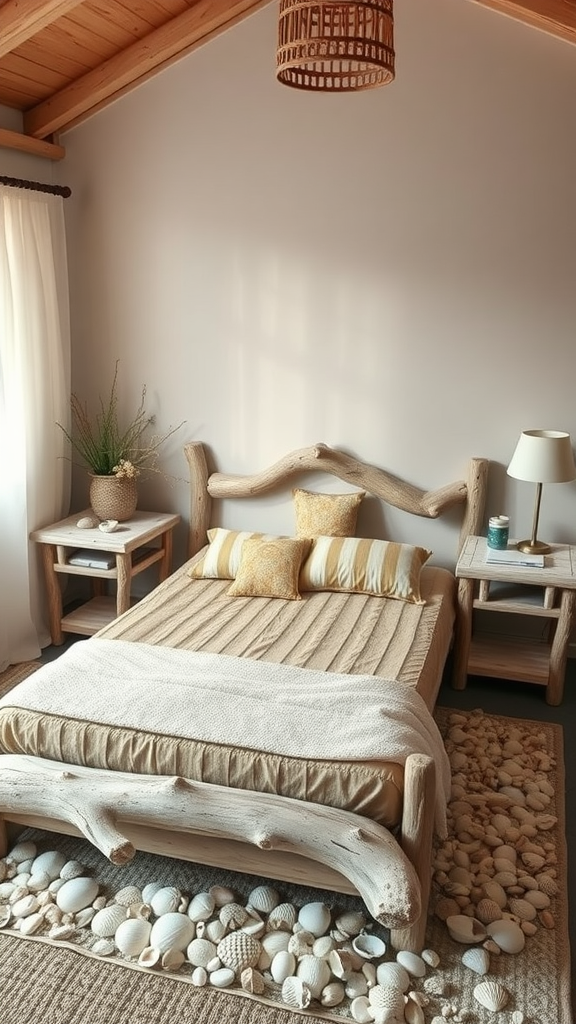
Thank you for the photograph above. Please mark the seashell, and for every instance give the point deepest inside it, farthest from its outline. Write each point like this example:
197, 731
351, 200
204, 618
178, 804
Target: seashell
128, 895
108, 525
233, 915
477, 959
25, 906
295, 992
547, 884
213, 964
5, 915
300, 943
263, 898
332, 994
51, 913
356, 985
254, 925
61, 932
252, 980
84, 917
214, 931
25, 867
273, 942
49, 863
413, 1013
132, 936
361, 1010
507, 935
200, 952
523, 909
341, 963
221, 895
165, 900
21, 852
18, 893
315, 918
239, 950
172, 960
283, 966
393, 975
150, 889
201, 906
71, 869
76, 893
465, 929
321, 947
103, 947
31, 924
87, 523
150, 957
369, 947
315, 973
6, 889
537, 899
351, 923
199, 977
99, 902
430, 957
491, 995
172, 931
139, 910
488, 910
446, 908
221, 978
517, 1017
38, 881
387, 997
282, 916
106, 921
413, 963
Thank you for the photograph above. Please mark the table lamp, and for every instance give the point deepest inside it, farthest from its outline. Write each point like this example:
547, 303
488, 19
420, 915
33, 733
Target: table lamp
542, 457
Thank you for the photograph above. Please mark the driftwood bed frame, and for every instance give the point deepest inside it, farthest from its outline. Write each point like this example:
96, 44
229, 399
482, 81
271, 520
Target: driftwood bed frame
259, 834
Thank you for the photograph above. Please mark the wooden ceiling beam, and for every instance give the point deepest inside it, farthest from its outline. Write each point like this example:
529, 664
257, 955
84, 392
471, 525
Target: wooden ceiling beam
22, 19
556, 17
14, 140
180, 35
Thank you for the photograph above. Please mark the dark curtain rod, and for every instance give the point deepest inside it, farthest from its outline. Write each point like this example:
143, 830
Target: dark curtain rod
37, 186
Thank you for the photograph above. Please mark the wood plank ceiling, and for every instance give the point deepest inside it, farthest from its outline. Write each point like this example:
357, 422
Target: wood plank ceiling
62, 60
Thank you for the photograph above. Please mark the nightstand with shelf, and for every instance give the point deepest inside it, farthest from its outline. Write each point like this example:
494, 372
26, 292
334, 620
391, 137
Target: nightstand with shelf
145, 540
548, 592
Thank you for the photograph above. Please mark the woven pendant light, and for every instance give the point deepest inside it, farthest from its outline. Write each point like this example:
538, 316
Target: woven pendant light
334, 46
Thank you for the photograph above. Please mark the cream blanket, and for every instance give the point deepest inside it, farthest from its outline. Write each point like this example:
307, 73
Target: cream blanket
256, 705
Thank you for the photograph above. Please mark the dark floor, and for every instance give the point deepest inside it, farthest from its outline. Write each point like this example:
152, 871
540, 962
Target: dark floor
516, 700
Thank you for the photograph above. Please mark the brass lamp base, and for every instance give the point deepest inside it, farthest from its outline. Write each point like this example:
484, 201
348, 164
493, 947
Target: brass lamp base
536, 547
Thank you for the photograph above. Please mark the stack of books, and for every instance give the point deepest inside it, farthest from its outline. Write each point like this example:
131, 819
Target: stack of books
511, 556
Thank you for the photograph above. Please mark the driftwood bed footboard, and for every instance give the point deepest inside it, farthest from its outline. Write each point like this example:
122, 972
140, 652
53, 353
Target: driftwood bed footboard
273, 836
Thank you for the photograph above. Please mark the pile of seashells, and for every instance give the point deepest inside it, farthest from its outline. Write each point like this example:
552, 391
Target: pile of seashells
494, 883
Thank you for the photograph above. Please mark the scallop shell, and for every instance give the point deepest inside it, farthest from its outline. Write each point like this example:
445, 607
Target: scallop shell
239, 950
295, 992
314, 972
166, 900
201, 906
172, 931
132, 936
282, 916
369, 947
263, 898
76, 893
315, 918
200, 952
106, 921
491, 995
477, 959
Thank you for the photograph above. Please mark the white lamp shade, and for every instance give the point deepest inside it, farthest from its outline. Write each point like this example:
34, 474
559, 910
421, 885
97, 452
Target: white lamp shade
543, 456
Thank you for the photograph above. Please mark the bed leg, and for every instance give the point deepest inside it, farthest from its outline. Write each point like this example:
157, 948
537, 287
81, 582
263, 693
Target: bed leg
416, 837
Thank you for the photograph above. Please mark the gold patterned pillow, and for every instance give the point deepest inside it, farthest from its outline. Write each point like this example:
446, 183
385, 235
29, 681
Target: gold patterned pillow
222, 558
270, 568
354, 565
334, 515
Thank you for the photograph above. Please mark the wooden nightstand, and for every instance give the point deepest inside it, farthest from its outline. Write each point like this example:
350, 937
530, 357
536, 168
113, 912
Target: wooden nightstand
129, 544
548, 592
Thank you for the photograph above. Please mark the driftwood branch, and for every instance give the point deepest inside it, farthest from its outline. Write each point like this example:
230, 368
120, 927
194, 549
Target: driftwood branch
96, 802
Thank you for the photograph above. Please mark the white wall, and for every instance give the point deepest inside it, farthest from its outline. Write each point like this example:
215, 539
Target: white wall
392, 271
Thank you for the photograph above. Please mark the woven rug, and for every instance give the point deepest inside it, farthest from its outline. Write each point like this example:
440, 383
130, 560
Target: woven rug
65, 983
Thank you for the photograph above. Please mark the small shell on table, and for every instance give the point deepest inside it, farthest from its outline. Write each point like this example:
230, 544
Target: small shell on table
87, 523
491, 994
108, 525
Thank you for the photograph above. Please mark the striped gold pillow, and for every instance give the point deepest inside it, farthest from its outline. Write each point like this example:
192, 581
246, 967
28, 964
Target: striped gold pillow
319, 514
222, 559
354, 565
270, 568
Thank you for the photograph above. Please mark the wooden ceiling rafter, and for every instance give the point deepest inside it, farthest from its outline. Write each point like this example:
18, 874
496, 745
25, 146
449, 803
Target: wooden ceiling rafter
66, 59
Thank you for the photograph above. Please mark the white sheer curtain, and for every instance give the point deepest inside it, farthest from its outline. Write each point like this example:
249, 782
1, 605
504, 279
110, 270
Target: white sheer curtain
34, 394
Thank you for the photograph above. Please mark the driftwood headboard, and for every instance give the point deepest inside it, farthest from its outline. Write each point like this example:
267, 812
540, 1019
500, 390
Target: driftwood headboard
469, 493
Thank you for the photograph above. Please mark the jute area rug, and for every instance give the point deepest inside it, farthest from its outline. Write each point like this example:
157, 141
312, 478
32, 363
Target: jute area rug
63, 983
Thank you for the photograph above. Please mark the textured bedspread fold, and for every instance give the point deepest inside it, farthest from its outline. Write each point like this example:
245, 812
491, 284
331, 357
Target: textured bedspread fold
254, 705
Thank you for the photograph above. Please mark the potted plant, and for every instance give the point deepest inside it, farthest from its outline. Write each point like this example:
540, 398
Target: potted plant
115, 453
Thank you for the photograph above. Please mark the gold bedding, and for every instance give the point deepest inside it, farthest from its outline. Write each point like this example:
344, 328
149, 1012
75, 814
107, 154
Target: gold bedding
343, 633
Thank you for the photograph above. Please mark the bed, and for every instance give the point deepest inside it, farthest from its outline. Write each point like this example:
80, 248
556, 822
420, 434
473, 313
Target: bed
285, 736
